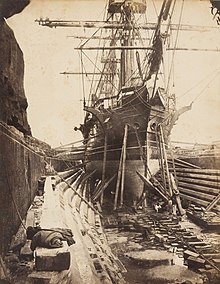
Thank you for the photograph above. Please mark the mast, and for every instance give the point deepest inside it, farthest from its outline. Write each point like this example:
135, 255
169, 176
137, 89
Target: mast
125, 41
126, 10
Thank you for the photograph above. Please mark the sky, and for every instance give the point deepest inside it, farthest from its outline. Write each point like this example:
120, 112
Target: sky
55, 100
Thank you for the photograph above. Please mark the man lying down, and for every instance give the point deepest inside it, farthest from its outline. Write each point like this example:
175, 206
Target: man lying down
49, 238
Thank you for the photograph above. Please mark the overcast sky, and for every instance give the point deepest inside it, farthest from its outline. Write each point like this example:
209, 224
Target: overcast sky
55, 105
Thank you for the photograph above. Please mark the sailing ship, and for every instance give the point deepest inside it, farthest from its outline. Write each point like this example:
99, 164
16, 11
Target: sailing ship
128, 108
130, 111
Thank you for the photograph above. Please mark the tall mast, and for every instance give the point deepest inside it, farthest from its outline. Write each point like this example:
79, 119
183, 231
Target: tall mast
126, 41
126, 9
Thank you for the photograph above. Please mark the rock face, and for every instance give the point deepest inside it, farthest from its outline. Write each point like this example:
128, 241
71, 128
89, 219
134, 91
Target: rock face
20, 167
20, 170
13, 103
10, 7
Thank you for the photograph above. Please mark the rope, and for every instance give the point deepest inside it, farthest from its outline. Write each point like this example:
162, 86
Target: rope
175, 45
166, 32
198, 83
119, 7
93, 77
99, 70
17, 141
83, 86
206, 86
95, 65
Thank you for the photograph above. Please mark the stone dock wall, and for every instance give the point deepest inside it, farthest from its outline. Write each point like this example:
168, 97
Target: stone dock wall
20, 169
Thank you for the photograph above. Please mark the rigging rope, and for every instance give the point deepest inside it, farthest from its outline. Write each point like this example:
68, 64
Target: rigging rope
206, 86
81, 45
198, 83
83, 86
96, 60
175, 45
166, 33
98, 69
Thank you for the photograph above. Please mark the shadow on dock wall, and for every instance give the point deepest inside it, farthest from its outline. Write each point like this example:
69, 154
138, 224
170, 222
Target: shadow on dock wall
20, 169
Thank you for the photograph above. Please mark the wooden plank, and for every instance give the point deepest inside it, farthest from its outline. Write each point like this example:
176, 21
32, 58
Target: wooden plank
200, 171
150, 186
200, 176
209, 186
184, 163
160, 153
201, 188
205, 183
198, 201
123, 165
180, 166
161, 138
212, 255
213, 203
194, 200
197, 194
205, 189
104, 165
118, 180
103, 187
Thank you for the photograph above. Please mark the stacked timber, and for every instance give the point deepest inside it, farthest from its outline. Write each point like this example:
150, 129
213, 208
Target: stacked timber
201, 187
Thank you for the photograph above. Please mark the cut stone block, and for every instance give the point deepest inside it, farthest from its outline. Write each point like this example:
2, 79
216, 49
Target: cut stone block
49, 277
39, 277
53, 259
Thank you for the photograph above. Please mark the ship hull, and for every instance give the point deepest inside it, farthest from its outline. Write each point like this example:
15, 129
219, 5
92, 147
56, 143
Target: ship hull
133, 185
104, 149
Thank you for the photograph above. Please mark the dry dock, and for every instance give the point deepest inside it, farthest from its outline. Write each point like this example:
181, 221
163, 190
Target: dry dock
124, 247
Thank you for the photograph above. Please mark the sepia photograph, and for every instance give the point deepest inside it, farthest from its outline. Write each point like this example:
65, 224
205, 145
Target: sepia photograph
109, 141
